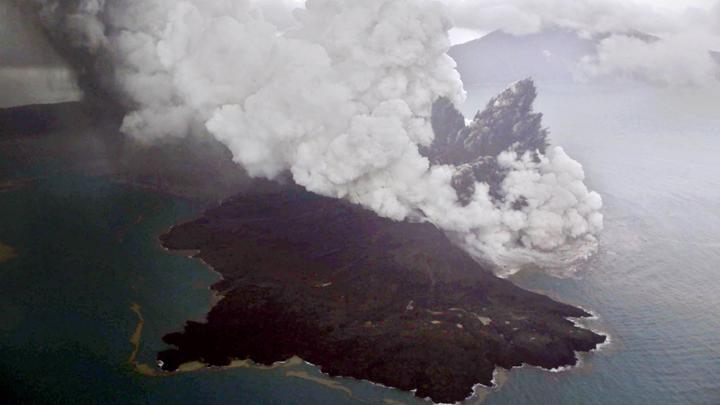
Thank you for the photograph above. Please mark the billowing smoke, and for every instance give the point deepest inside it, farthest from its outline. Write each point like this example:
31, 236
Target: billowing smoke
677, 60
342, 102
540, 203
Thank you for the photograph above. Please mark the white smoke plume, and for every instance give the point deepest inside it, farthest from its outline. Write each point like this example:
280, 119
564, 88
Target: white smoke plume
677, 60
342, 102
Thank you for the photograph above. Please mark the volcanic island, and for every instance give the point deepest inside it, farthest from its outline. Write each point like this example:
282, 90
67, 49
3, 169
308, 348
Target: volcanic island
358, 295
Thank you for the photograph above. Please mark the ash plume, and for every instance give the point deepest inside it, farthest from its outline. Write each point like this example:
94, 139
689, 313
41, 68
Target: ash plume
343, 101
508, 123
540, 194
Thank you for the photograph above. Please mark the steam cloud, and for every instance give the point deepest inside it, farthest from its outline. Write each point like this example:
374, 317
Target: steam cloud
342, 101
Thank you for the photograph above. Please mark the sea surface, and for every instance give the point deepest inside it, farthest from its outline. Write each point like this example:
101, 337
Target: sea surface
655, 281
87, 252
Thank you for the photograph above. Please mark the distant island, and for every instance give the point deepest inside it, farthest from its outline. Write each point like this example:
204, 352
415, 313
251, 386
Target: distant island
360, 296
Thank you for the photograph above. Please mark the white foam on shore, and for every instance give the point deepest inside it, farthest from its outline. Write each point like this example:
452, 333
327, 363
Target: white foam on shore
579, 356
582, 322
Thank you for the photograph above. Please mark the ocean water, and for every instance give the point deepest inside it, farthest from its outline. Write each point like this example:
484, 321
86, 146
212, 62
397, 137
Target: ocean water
655, 281
87, 251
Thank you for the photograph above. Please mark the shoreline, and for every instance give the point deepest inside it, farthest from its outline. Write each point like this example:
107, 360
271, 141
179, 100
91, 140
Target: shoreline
502, 375
193, 366
193, 254
580, 357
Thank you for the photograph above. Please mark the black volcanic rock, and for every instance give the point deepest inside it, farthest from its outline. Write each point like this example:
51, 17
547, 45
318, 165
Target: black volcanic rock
508, 122
361, 296
446, 122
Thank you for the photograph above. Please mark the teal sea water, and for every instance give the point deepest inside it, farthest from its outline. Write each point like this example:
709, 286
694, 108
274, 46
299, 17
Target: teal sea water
87, 250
